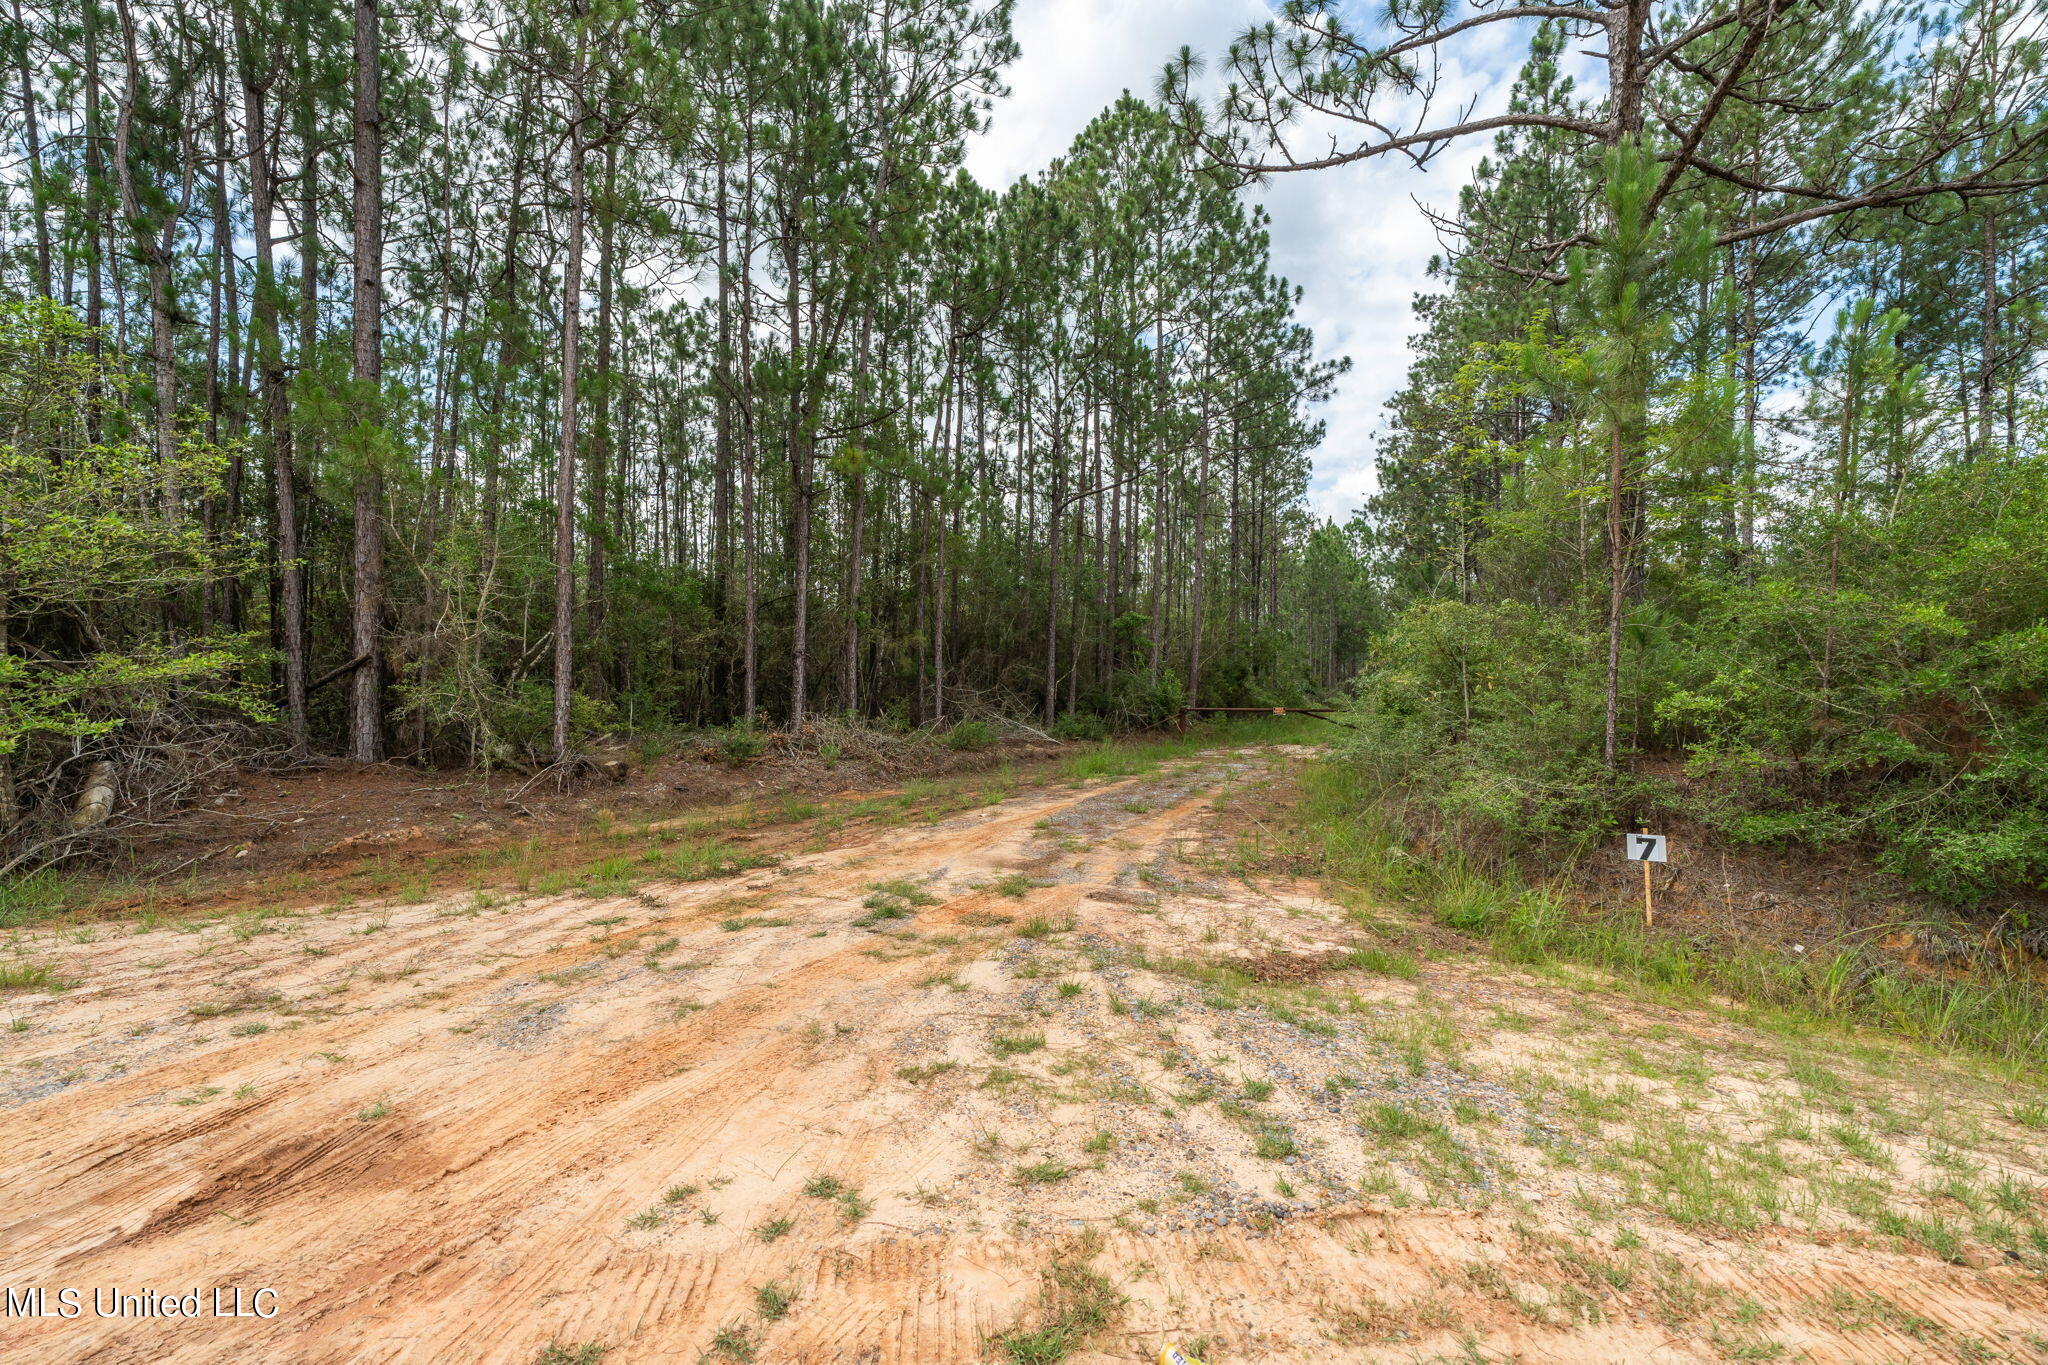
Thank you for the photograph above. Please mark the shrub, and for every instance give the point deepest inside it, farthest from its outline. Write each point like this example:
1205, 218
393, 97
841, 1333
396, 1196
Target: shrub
1139, 701
1080, 727
970, 736
1488, 719
739, 745
93, 558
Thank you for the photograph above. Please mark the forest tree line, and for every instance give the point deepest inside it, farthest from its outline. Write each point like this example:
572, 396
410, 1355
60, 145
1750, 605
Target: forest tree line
1718, 488
458, 382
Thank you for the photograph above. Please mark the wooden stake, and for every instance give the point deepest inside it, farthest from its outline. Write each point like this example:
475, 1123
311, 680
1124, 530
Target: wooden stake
1649, 913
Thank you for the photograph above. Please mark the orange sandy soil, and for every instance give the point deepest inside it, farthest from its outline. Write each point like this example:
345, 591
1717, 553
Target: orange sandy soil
307, 834
1095, 1035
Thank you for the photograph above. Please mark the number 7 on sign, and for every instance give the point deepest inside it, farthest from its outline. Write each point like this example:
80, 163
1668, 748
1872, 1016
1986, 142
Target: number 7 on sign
1646, 848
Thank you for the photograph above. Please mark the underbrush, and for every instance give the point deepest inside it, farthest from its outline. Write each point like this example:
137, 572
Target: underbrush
619, 851
1358, 831
1138, 754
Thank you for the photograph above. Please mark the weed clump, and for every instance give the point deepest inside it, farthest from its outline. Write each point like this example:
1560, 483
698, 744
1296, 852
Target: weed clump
1075, 1302
891, 900
970, 736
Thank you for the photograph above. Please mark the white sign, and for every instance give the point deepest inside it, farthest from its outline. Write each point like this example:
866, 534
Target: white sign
1645, 848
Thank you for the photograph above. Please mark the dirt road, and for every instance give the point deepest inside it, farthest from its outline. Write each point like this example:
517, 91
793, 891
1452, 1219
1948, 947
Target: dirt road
1044, 1079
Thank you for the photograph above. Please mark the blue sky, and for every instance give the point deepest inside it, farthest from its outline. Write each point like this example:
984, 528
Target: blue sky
1351, 237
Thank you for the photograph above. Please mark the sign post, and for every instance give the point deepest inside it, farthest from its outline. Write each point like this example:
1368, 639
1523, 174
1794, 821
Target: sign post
1646, 848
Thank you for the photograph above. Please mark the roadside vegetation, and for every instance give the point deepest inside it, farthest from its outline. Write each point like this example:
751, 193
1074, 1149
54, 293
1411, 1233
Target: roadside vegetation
1528, 912
614, 853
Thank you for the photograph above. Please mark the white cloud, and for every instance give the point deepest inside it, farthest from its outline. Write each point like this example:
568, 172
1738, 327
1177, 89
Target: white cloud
1351, 237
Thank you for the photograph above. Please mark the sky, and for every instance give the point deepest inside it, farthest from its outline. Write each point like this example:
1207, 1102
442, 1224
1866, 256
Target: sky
1351, 237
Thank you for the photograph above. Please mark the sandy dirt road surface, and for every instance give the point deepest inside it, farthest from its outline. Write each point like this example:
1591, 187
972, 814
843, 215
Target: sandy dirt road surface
1050, 1074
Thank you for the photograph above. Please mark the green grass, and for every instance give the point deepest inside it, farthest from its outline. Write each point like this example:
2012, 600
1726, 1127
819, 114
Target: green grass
572, 1353
32, 897
853, 1207
609, 877
1075, 1302
773, 1301
1360, 841
903, 889
1016, 1044
732, 1343
1133, 756
1382, 962
32, 976
1041, 926
1394, 1121
1860, 1145
1042, 1173
889, 900
1274, 1143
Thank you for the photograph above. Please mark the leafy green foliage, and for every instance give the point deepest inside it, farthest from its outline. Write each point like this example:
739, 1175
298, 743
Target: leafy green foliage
1487, 717
95, 549
971, 736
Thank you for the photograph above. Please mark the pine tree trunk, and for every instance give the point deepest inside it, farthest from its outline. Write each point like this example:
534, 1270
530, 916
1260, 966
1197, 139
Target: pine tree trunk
268, 347
722, 445
599, 474
565, 460
494, 455
1617, 580
95, 191
1052, 561
943, 454
1627, 81
153, 246
33, 143
751, 606
1987, 327
366, 617
1201, 557
801, 493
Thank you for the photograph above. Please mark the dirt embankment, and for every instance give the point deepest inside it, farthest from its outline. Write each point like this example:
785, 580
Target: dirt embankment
1053, 1077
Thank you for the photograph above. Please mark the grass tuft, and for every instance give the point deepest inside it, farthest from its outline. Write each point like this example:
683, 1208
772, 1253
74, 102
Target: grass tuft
1075, 1302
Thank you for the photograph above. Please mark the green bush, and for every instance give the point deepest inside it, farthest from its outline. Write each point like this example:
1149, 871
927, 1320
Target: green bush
740, 744
1899, 709
1488, 719
1138, 701
1080, 727
501, 723
971, 736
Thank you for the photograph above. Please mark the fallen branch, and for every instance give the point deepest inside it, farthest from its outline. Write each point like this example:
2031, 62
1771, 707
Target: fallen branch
331, 674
